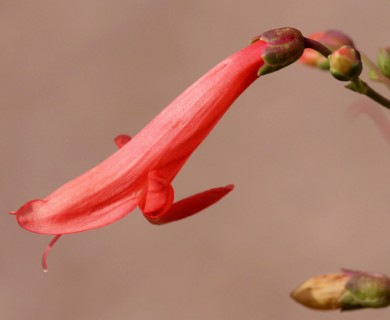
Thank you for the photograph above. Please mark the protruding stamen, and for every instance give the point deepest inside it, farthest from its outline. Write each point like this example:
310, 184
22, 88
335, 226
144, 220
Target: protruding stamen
46, 252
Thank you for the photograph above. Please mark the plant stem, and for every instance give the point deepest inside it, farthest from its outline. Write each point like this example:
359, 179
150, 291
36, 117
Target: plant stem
362, 87
379, 76
356, 84
317, 46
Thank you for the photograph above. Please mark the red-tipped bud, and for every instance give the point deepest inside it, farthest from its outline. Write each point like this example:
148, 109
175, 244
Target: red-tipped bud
332, 39
348, 290
384, 61
345, 63
284, 46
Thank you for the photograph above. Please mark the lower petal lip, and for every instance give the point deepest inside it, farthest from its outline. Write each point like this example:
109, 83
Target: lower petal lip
33, 217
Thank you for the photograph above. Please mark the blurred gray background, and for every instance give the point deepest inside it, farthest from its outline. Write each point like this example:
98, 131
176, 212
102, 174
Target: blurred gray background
312, 180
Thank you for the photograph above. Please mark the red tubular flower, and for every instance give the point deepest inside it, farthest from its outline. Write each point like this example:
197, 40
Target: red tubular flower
141, 171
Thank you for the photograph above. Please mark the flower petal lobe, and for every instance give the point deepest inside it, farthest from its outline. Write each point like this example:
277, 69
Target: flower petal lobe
159, 195
191, 205
54, 219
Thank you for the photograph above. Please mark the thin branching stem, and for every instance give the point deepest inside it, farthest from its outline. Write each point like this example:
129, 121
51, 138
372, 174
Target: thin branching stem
317, 46
362, 87
356, 84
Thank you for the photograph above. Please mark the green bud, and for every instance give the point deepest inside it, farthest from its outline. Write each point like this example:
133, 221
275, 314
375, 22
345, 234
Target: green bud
384, 61
348, 290
284, 46
345, 63
366, 290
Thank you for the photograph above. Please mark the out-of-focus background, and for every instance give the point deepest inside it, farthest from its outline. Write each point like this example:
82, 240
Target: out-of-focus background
312, 179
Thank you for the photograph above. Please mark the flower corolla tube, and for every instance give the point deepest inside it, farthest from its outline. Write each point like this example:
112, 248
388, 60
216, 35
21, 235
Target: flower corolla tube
140, 173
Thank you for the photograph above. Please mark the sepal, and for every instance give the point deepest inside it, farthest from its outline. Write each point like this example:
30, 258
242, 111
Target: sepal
284, 46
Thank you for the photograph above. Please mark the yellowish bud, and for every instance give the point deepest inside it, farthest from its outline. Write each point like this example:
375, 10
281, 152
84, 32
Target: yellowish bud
323, 292
348, 290
345, 63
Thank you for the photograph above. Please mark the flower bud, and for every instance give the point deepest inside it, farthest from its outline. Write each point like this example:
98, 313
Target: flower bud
348, 290
332, 39
284, 46
384, 61
322, 292
345, 63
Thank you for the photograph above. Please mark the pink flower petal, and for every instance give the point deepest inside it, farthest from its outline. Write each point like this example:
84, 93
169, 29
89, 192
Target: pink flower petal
63, 222
159, 195
140, 173
191, 205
